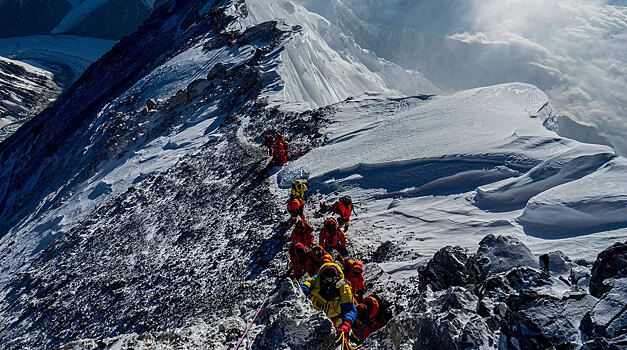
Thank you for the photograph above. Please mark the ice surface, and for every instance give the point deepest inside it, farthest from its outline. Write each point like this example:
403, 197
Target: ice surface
592, 203
61, 54
414, 166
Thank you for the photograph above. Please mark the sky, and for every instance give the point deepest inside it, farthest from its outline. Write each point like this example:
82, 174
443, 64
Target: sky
583, 44
575, 50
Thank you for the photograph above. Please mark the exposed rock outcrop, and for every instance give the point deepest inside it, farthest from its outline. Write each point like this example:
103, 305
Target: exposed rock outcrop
503, 297
610, 263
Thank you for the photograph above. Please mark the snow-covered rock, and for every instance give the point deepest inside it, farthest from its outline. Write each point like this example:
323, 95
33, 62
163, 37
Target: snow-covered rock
557, 263
520, 307
501, 254
610, 263
447, 268
606, 324
24, 91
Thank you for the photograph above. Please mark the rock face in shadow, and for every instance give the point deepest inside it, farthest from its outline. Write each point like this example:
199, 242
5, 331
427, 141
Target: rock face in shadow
446, 269
503, 297
29, 17
112, 19
24, 92
610, 263
605, 326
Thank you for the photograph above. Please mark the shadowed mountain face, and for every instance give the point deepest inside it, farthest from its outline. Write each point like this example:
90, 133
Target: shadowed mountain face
111, 20
29, 17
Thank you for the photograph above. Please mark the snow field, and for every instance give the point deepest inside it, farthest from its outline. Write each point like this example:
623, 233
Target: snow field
423, 170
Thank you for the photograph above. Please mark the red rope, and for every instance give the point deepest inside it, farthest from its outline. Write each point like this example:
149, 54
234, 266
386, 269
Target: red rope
251, 323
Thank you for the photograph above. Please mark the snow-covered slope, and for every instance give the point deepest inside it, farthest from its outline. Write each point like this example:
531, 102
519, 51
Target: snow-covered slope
106, 166
66, 56
462, 45
464, 165
24, 92
138, 210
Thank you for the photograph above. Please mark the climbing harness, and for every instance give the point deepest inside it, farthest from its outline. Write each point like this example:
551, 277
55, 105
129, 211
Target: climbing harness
251, 323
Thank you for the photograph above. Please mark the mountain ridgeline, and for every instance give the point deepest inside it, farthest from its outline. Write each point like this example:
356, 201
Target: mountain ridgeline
139, 210
111, 19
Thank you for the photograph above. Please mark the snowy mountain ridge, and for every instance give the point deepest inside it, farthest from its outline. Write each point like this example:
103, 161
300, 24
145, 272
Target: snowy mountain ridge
138, 208
24, 91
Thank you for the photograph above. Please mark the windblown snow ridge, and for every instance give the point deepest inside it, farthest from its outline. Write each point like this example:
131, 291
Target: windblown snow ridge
492, 141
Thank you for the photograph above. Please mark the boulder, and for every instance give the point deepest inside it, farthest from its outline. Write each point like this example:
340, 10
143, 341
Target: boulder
151, 104
501, 254
556, 263
610, 263
608, 318
542, 321
436, 320
447, 268
197, 87
181, 97
580, 277
217, 72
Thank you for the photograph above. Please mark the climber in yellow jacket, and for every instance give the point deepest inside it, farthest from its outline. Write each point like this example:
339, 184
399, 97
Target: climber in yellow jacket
330, 293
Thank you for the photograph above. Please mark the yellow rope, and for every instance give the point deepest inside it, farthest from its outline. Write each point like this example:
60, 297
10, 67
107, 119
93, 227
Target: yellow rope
346, 344
338, 339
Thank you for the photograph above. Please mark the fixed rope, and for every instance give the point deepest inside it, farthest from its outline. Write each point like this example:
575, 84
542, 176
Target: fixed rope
345, 343
251, 323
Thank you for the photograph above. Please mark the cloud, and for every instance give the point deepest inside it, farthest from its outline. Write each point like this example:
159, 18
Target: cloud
582, 42
575, 50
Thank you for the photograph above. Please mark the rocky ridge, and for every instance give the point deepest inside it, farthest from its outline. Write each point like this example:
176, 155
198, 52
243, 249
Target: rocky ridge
24, 92
504, 297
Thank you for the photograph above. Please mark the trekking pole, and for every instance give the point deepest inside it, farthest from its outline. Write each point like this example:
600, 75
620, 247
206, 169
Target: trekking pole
251, 323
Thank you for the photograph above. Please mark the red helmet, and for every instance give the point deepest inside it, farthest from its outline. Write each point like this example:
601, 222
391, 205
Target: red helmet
330, 225
300, 251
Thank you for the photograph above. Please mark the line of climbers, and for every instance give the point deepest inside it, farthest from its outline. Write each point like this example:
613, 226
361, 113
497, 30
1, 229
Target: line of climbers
279, 150
335, 287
